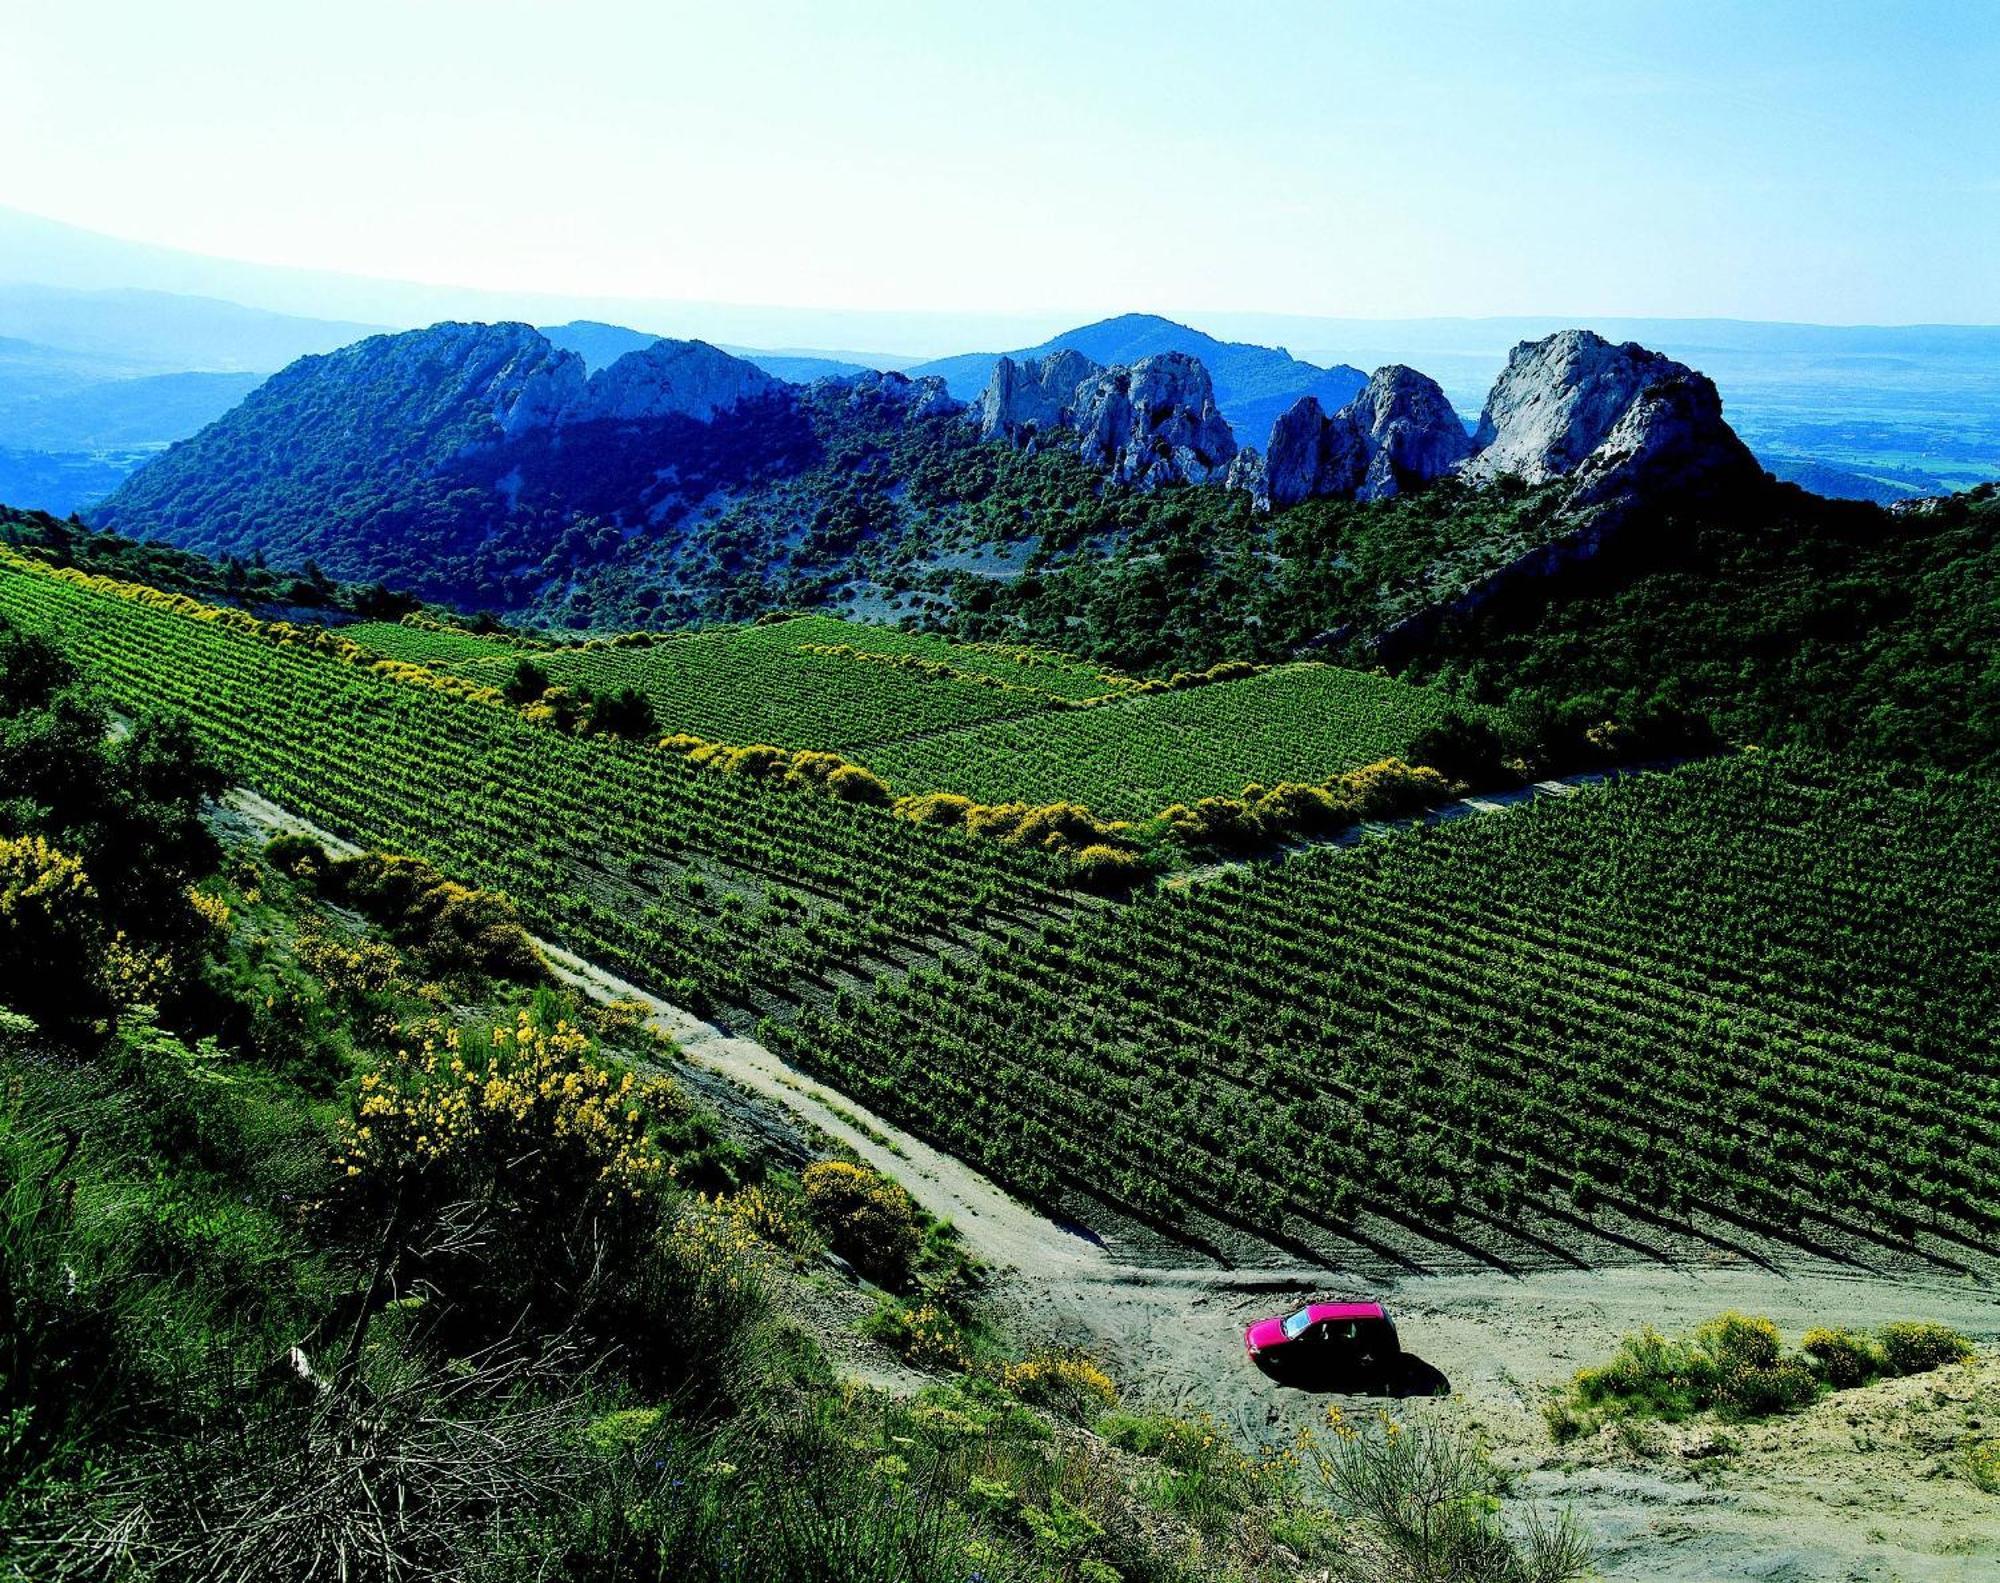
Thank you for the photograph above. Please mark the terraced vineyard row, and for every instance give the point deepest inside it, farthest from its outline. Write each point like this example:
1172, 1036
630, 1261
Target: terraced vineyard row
705, 887
443, 646
1769, 989
1130, 759
928, 715
812, 682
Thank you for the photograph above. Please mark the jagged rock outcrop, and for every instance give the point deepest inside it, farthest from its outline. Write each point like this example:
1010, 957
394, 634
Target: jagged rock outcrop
915, 398
1398, 433
1153, 423
1671, 444
1407, 429
667, 379
1620, 422
1311, 457
1246, 472
1022, 400
1557, 400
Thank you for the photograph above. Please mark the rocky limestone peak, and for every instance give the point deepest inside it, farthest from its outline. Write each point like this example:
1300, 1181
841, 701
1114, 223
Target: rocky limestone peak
1557, 400
916, 398
1398, 433
1022, 400
507, 370
1311, 457
685, 378
1670, 443
1153, 423
1407, 429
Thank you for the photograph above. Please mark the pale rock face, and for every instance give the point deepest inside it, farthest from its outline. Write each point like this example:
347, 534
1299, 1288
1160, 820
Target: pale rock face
687, 378
919, 398
1246, 473
1557, 400
1398, 433
508, 368
1407, 429
1022, 400
1312, 457
1670, 442
1154, 423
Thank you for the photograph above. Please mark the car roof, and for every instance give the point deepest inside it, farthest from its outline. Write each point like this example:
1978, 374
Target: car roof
1325, 1311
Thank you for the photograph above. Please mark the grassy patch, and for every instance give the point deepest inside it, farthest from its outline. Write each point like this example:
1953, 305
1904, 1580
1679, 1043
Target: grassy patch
1736, 1367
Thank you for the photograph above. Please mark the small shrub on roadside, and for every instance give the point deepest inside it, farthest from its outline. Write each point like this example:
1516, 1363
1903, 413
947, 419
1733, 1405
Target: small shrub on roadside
1426, 1495
1845, 1358
1916, 1347
1982, 1465
922, 1334
866, 1218
1071, 1387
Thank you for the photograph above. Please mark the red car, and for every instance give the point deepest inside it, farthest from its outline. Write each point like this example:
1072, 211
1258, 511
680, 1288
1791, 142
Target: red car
1334, 1340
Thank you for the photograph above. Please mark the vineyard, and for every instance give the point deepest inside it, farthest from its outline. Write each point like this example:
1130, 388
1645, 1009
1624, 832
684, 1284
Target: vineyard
987, 722
812, 682
1132, 757
1753, 994
719, 891
1763, 993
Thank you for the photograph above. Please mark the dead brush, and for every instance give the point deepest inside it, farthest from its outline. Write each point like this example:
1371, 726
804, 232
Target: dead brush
408, 1473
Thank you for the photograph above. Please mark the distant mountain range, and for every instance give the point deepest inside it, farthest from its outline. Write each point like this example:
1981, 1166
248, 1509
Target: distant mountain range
493, 466
1872, 412
600, 345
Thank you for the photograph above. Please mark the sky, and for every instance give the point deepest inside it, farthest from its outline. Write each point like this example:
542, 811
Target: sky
1828, 162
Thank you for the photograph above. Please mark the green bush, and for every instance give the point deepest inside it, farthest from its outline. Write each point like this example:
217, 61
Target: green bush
1740, 1341
1748, 1390
1735, 1364
1845, 1358
1916, 1347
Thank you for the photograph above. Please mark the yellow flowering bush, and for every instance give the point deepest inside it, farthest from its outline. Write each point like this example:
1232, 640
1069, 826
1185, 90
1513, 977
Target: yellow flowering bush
49, 956
770, 1218
505, 1171
1072, 1386
531, 1106
358, 967
212, 910
866, 1218
923, 1334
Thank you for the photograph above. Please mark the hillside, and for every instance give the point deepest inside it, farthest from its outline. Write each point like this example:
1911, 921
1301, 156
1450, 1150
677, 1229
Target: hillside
433, 460
1619, 1048
483, 466
1253, 384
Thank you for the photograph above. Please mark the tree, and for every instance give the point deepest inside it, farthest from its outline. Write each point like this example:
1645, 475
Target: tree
626, 713
528, 683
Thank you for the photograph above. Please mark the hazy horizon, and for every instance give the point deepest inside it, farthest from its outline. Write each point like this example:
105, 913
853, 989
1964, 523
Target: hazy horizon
1804, 164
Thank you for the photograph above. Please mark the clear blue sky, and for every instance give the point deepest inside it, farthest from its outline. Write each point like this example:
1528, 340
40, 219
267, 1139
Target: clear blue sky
1823, 161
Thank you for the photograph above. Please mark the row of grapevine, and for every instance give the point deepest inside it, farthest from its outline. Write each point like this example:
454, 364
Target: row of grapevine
1764, 989
711, 888
1132, 757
